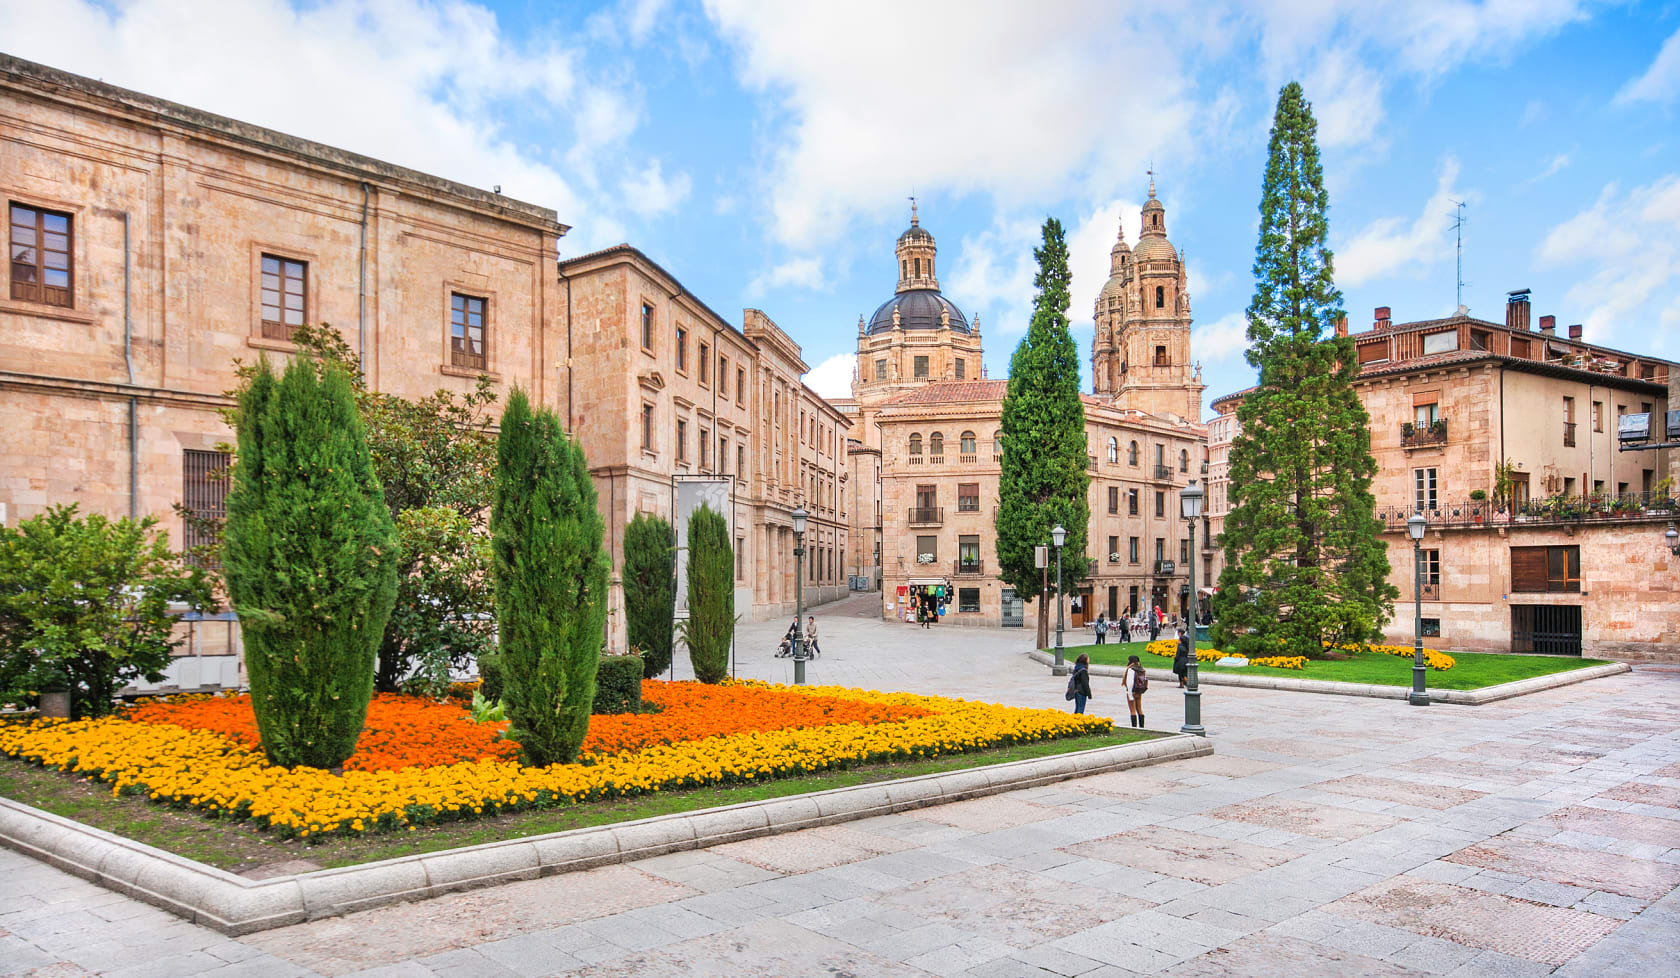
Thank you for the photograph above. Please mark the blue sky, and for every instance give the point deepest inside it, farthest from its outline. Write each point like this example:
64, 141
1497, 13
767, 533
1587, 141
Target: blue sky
763, 150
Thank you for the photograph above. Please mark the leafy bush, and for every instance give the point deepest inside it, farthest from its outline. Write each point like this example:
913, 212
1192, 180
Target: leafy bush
442, 616
310, 558
84, 606
486, 711
618, 684
650, 589
551, 574
490, 672
710, 625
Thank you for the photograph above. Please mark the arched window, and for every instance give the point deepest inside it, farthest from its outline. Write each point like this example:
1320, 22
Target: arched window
936, 444
916, 444
1131, 456
968, 443
1184, 460
1157, 220
1160, 297
997, 443
1114, 451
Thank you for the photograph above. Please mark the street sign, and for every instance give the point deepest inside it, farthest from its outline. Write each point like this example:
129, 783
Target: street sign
1041, 557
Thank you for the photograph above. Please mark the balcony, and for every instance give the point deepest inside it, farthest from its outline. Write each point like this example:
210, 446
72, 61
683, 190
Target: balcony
1424, 436
1166, 568
1569, 434
1633, 507
967, 568
1431, 591
1163, 473
1091, 462
927, 515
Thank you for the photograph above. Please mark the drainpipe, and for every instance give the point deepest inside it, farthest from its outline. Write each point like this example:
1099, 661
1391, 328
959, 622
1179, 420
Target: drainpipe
128, 361
361, 291
561, 272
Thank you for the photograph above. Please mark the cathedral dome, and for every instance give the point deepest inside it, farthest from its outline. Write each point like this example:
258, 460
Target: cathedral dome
917, 309
1154, 248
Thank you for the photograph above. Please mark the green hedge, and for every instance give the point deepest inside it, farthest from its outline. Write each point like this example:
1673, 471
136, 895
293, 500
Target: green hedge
618, 684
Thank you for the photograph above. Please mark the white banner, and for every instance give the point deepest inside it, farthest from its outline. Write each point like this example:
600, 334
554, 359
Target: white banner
690, 495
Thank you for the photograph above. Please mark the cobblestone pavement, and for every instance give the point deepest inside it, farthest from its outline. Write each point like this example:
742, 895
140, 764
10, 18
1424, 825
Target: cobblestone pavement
1329, 835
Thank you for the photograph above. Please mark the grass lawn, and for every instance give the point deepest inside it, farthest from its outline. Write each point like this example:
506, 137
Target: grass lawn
1474, 670
240, 848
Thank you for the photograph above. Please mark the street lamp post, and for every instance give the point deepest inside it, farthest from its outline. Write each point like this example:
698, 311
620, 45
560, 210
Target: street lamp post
1191, 501
1058, 536
799, 518
1415, 526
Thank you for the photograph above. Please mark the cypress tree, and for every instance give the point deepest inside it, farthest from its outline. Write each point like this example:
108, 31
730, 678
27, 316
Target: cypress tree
650, 590
1305, 561
711, 595
551, 575
310, 557
1044, 480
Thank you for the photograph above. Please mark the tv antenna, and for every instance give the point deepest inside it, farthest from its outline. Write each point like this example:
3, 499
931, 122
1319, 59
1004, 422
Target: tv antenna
1458, 229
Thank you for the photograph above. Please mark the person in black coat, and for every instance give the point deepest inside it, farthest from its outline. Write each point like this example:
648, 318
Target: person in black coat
1081, 682
1181, 659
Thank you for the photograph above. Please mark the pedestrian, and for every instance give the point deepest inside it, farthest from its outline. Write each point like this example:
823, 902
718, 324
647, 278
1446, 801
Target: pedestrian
1135, 682
1125, 628
1154, 626
1079, 684
1102, 630
811, 634
1181, 660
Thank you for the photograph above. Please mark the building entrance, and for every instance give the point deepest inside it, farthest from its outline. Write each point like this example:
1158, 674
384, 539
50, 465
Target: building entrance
1549, 629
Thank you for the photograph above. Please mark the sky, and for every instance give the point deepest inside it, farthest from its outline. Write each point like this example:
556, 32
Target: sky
763, 151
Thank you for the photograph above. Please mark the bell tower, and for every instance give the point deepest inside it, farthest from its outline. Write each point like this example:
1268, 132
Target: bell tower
916, 252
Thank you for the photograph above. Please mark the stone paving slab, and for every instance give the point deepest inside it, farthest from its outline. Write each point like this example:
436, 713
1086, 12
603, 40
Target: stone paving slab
1619, 825
990, 814
1272, 956
812, 849
1185, 855
1018, 909
1667, 796
1640, 878
1434, 796
1320, 821
1549, 935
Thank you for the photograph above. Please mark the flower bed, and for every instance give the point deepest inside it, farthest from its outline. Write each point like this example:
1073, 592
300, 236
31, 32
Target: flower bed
1168, 648
777, 731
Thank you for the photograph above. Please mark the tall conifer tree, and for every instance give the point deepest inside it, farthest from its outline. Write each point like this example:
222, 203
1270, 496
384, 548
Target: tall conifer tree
1305, 561
551, 582
650, 552
310, 558
1044, 478
710, 625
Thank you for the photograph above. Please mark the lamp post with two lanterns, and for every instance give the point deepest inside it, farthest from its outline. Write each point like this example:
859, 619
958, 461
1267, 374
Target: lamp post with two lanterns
1415, 525
1191, 501
799, 656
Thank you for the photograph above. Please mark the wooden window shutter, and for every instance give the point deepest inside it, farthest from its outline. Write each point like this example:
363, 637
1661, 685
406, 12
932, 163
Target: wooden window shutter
1528, 568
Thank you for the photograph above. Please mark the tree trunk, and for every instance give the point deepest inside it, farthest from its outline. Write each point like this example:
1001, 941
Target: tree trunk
1043, 619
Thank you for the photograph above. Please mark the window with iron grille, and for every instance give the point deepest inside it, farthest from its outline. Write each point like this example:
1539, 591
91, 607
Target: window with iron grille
968, 497
204, 487
968, 599
41, 256
466, 331
1114, 499
285, 288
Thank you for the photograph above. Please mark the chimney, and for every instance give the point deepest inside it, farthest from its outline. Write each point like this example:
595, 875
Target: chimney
1341, 326
1575, 331
1516, 309
1548, 325
1383, 319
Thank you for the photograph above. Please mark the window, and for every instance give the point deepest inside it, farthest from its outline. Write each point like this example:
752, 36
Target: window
921, 368
682, 440
1520, 348
1160, 297
881, 369
741, 461
1113, 547
1424, 415
1431, 628
740, 558
740, 385
1160, 503
1160, 548
1431, 567
647, 327
1133, 542
284, 286
997, 444
1161, 357
1131, 502
1184, 460
1114, 499
1424, 485
705, 363
1132, 454
1546, 569
705, 447
723, 376
918, 263
647, 427
916, 444
723, 455
1184, 552
968, 599
1160, 456
961, 368
466, 331
968, 497
682, 350
936, 444
41, 256
1114, 451
204, 487
968, 554
1598, 415
967, 445
1442, 342
927, 547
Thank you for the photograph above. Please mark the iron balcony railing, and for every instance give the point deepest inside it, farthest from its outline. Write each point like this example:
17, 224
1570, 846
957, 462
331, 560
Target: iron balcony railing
967, 568
1163, 473
1569, 434
1423, 436
926, 515
1649, 507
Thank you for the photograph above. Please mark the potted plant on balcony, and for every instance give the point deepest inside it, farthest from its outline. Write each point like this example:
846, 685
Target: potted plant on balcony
1407, 430
1478, 504
1114, 558
1662, 501
1438, 428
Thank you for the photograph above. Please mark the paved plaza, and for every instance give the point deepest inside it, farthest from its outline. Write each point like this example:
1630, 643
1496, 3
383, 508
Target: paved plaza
1328, 835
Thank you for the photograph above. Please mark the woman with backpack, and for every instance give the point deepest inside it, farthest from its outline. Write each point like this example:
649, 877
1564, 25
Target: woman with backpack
1079, 684
1135, 683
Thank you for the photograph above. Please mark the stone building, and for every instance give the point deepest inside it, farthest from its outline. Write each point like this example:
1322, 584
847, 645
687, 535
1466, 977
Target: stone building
151, 245
922, 403
1542, 535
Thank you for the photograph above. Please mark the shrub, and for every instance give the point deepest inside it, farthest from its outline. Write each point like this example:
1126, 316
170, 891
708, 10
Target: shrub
650, 590
310, 559
618, 684
490, 672
551, 574
710, 625
84, 606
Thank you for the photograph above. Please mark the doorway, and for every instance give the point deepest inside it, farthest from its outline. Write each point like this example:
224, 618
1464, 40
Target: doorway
1548, 629
1014, 609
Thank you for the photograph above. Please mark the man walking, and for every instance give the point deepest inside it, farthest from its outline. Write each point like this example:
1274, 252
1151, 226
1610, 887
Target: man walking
1102, 629
811, 634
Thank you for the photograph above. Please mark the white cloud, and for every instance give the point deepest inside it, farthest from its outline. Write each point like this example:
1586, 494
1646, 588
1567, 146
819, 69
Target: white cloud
993, 274
1631, 272
1222, 339
833, 377
1553, 166
427, 85
1534, 111
801, 272
1391, 243
1661, 81
649, 193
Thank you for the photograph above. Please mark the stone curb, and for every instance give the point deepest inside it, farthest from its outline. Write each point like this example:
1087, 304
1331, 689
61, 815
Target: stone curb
235, 905
1459, 697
